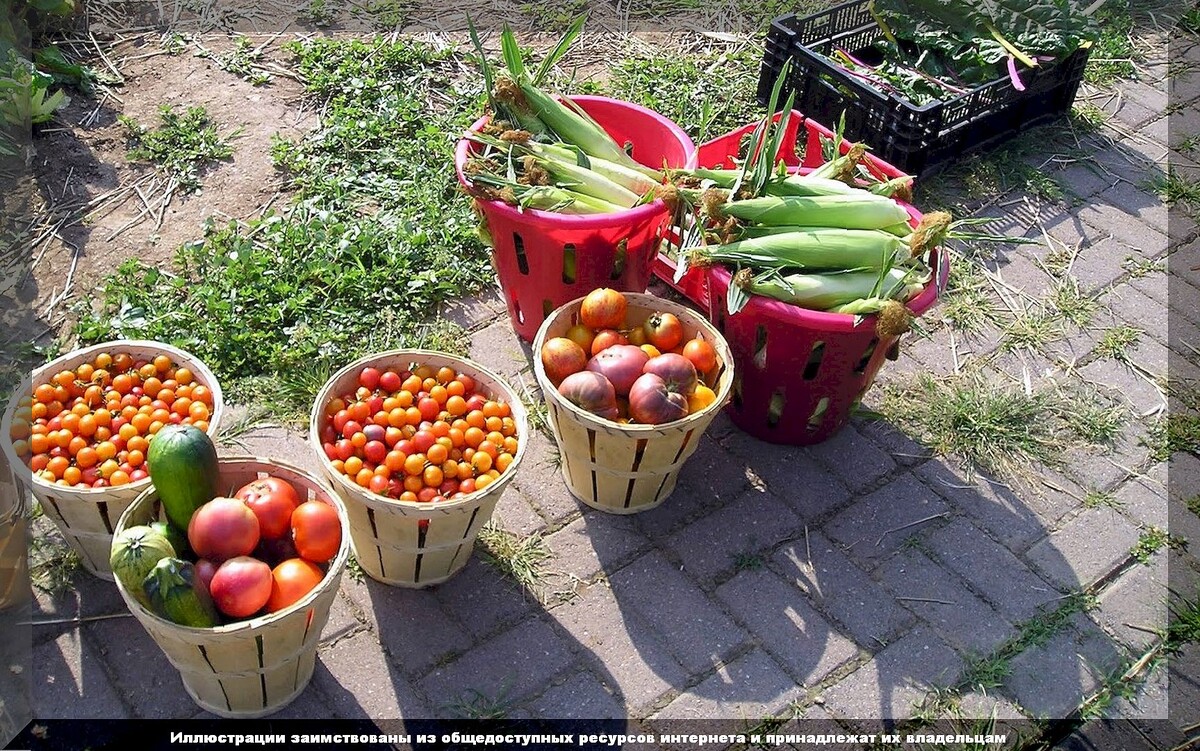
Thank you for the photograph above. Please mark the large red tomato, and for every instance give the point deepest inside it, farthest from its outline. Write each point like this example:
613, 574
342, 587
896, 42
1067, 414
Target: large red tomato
291, 581
663, 330
591, 392
702, 355
652, 403
561, 357
676, 370
241, 586
272, 500
621, 365
316, 531
223, 528
603, 309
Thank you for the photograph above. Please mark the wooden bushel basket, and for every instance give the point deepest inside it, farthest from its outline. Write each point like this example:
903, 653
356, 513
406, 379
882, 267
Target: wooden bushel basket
14, 557
255, 667
624, 469
87, 516
406, 543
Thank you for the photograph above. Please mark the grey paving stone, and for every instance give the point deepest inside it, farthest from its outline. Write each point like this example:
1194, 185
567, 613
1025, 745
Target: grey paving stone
631, 658
68, 681
1134, 607
594, 543
359, 683
499, 348
748, 688
1154, 286
1098, 734
1086, 549
698, 633
1141, 395
839, 588
515, 664
810, 489
888, 686
1134, 235
1050, 680
982, 706
1145, 710
895, 442
874, 526
1184, 680
541, 482
410, 622
1023, 273
579, 697
992, 570
786, 625
148, 683
1100, 264
1145, 501
515, 514
1184, 477
856, 461
1132, 197
992, 505
483, 600
471, 312
1136, 309
342, 620
87, 596
734, 535
1094, 468
712, 474
1085, 178
942, 600
934, 356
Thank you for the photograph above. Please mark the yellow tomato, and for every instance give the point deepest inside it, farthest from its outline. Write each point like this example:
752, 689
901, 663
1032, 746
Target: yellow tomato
701, 398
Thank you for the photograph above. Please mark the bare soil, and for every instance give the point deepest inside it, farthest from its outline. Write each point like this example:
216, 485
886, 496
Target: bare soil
78, 167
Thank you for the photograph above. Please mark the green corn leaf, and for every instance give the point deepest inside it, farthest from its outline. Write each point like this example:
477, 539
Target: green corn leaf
559, 50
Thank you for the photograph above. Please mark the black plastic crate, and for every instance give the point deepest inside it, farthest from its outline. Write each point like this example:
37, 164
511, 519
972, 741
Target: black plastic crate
920, 140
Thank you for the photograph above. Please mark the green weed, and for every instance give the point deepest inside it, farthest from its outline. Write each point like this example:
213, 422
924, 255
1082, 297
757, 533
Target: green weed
1115, 52
1117, 341
475, 705
1150, 541
244, 61
376, 238
1069, 302
519, 558
183, 146
556, 15
707, 95
995, 427
1176, 190
966, 302
1101, 498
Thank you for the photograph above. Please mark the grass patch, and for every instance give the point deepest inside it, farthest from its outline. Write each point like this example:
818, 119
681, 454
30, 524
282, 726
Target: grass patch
1032, 329
1070, 304
518, 558
1150, 541
183, 146
998, 428
1116, 342
1115, 52
966, 303
745, 561
707, 95
986, 672
1173, 433
376, 238
52, 563
475, 705
1101, 499
1176, 190
1138, 267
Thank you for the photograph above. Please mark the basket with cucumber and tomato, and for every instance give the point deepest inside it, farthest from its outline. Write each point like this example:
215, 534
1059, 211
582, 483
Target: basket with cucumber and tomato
231, 565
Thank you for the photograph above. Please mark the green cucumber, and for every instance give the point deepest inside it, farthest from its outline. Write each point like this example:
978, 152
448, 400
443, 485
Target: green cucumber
135, 553
183, 468
177, 594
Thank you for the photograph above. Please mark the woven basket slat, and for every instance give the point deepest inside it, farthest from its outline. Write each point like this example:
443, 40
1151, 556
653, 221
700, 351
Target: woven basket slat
87, 516
600, 459
385, 533
221, 667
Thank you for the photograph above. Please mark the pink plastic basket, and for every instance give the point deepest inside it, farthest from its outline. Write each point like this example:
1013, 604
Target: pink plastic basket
799, 372
544, 259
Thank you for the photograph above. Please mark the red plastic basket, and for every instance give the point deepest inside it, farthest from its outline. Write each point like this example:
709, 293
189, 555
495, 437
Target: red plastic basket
798, 372
544, 259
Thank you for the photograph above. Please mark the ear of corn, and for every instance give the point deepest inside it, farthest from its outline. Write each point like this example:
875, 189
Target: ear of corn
810, 248
588, 182
826, 291
847, 211
630, 179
